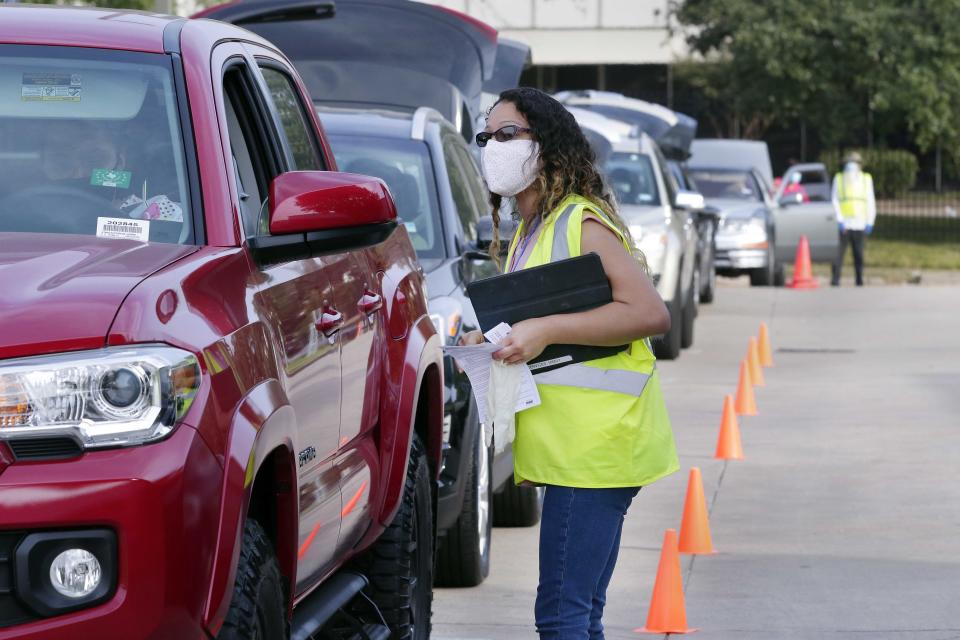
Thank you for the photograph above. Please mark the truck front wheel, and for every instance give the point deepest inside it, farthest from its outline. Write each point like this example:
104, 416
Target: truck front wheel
258, 608
400, 564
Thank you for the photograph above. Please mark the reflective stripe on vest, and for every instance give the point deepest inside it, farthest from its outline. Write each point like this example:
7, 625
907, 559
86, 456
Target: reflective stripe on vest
561, 250
631, 383
852, 196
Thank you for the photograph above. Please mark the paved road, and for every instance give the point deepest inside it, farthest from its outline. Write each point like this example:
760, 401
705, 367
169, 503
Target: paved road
843, 521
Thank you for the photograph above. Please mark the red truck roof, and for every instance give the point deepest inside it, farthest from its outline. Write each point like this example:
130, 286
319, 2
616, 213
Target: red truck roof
104, 28
83, 27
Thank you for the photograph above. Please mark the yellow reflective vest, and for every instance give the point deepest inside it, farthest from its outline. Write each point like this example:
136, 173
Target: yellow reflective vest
601, 423
853, 195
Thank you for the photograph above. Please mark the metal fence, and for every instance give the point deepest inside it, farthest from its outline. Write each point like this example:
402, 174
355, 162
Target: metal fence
923, 217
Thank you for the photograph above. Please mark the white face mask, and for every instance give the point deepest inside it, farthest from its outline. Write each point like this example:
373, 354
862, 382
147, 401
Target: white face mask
510, 167
851, 167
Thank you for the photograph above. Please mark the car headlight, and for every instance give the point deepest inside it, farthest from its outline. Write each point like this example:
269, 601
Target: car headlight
750, 231
652, 242
447, 317
105, 398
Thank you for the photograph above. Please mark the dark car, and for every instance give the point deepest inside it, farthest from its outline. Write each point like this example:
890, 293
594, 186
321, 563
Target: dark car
707, 220
221, 399
442, 201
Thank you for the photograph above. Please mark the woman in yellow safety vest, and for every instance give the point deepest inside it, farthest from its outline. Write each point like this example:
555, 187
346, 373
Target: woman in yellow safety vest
601, 431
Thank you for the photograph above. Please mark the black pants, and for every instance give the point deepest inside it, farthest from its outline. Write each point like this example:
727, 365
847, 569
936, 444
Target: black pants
855, 239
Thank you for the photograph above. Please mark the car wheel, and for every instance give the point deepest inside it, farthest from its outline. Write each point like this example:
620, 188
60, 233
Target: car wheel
708, 284
463, 559
764, 276
258, 608
689, 314
667, 347
779, 277
400, 563
517, 506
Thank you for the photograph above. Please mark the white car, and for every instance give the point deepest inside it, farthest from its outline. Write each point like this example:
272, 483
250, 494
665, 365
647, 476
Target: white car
660, 217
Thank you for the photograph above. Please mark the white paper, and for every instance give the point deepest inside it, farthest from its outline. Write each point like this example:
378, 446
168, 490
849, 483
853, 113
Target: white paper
475, 361
498, 333
123, 228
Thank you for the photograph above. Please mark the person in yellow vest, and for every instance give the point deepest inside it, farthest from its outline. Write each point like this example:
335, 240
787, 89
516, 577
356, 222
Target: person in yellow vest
602, 430
856, 209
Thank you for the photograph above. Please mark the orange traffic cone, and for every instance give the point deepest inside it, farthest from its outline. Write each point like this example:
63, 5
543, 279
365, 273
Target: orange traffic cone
753, 360
668, 611
802, 272
728, 442
766, 354
746, 404
695, 526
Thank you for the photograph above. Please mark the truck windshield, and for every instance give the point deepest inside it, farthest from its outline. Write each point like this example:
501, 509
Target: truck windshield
631, 177
727, 184
406, 168
90, 144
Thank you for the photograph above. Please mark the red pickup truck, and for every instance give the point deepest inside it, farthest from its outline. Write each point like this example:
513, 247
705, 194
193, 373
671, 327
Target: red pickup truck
221, 399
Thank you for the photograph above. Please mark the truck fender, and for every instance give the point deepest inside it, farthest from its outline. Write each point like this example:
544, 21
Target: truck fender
398, 424
263, 423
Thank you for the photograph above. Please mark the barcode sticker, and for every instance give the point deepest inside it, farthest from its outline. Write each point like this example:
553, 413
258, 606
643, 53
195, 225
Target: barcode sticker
123, 229
550, 363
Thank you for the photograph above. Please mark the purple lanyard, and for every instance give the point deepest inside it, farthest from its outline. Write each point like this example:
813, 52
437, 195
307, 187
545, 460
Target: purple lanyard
523, 245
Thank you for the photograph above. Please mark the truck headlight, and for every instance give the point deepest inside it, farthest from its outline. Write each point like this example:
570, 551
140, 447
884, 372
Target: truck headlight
105, 398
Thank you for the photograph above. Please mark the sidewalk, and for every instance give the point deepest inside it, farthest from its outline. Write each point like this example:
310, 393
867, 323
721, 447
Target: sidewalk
841, 523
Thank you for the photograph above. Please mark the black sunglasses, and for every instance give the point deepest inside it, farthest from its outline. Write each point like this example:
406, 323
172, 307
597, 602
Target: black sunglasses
503, 134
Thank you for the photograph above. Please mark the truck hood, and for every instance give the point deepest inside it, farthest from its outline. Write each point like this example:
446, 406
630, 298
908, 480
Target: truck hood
635, 214
61, 292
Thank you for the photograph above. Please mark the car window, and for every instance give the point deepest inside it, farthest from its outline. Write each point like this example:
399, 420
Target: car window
254, 165
296, 127
90, 144
406, 166
727, 184
631, 177
463, 186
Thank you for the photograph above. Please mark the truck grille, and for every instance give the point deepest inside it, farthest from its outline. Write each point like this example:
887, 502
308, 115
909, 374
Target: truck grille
11, 610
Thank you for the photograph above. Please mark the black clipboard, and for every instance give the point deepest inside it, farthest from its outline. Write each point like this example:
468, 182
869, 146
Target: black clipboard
565, 286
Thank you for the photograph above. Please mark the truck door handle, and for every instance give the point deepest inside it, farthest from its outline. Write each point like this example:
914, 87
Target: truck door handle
370, 302
330, 322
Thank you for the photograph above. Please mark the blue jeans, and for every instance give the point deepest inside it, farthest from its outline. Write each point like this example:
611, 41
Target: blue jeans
579, 542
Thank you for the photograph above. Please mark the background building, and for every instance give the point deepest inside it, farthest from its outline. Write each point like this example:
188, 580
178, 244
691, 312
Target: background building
616, 45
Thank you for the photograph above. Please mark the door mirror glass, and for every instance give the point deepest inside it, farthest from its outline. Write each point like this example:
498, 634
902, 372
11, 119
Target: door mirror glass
688, 200
305, 201
791, 199
485, 232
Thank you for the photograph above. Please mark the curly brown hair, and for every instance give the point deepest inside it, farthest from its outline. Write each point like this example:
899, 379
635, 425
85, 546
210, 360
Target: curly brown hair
567, 163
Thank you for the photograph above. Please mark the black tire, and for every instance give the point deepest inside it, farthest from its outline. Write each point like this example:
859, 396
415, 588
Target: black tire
258, 608
689, 315
667, 347
399, 565
708, 284
764, 276
517, 506
779, 277
463, 558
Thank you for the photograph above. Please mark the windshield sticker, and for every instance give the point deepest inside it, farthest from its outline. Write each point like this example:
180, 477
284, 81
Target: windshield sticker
155, 208
123, 229
51, 87
110, 178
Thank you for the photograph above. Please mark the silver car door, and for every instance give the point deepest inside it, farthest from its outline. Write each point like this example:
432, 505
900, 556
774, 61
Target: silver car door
816, 220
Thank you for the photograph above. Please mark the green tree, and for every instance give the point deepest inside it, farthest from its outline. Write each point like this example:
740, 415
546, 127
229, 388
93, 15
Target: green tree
856, 70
